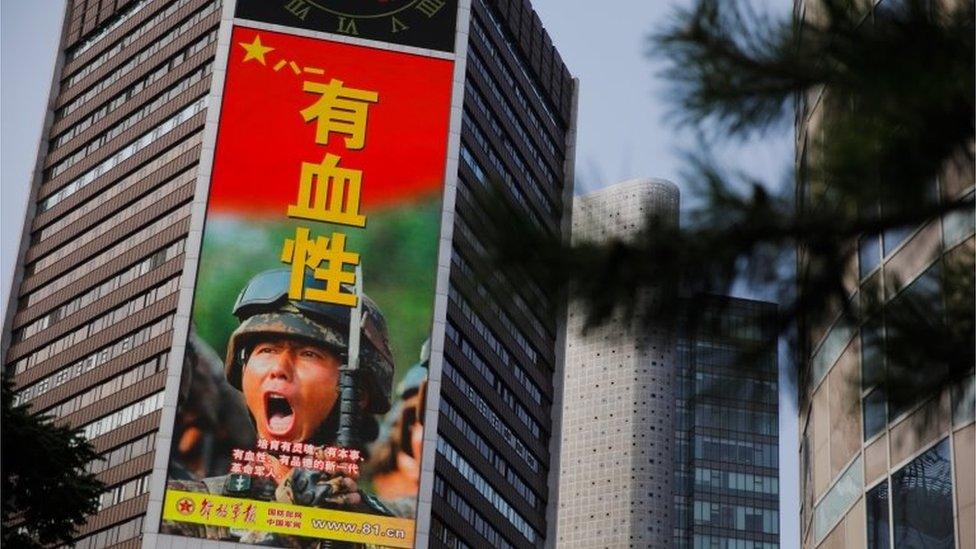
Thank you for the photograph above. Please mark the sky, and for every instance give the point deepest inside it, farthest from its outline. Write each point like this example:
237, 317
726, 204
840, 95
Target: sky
624, 128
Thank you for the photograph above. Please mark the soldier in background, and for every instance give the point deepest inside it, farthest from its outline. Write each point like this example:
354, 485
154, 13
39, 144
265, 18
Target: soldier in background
395, 463
212, 416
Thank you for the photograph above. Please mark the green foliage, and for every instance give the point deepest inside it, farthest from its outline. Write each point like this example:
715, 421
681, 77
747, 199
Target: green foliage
894, 90
46, 491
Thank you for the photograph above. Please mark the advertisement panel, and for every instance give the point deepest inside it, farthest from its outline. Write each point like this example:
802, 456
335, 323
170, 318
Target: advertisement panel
302, 393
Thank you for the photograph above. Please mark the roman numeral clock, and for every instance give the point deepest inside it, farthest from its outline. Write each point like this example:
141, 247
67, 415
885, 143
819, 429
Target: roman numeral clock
422, 23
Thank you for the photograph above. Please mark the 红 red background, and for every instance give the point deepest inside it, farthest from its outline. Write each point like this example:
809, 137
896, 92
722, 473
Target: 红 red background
263, 138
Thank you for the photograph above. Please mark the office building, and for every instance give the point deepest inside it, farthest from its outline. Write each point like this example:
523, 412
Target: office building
667, 440
95, 300
873, 474
726, 459
618, 413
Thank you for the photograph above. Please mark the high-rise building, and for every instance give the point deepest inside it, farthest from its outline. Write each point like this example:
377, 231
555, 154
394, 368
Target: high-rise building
618, 412
667, 439
94, 305
872, 473
726, 458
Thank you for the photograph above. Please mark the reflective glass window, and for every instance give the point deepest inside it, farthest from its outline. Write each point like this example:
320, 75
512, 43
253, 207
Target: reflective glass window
869, 254
877, 517
875, 412
922, 501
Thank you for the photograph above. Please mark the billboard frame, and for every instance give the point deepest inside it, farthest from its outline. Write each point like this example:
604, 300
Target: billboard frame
152, 537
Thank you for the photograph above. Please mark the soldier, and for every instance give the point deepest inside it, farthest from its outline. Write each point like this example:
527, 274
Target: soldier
395, 464
285, 357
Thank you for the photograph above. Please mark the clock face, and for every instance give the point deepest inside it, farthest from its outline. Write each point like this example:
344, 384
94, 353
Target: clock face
422, 23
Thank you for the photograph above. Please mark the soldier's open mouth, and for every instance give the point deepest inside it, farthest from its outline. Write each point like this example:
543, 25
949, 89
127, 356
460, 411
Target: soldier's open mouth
281, 417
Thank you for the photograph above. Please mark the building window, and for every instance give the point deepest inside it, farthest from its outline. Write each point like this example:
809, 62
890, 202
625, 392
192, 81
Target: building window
872, 354
869, 254
877, 517
922, 501
875, 412
838, 500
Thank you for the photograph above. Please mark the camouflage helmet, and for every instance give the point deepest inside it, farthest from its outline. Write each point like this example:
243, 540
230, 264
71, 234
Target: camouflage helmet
264, 308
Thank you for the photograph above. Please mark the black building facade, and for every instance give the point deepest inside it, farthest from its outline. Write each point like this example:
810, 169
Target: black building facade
726, 431
494, 452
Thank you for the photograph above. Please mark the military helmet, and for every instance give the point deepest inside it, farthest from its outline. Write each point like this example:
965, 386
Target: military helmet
264, 308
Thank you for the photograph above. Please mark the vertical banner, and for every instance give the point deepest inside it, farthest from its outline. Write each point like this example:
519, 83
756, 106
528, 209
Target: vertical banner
301, 403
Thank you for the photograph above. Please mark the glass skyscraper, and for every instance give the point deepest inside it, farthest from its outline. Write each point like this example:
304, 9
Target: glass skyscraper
726, 461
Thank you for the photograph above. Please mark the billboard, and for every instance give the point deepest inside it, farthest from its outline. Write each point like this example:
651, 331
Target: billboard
301, 402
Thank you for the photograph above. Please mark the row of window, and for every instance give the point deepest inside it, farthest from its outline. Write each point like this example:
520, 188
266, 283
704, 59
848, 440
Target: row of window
483, 487
124, 416
492, 341
736, 517
719, 542
741, 452
489, 453
135, 239
730, 480
511, 296
124, 42
482, 177
736, 419
517, 59
165, 68
721, 353
121, 16
152, 49
544, 138
132, 119
159, 72
445, 535
497, 129
95, 359
735, 388
98, 292
501, 389
110, 387
121, 454
128, 149
525, 283
110, 318
112, 222
492, 418
111, 536
492, 303
470, 515
95, 143
99, 199
123, 492
470, 127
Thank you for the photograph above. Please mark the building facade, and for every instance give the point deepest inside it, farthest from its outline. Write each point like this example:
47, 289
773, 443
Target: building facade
873, 474
618, 413
668, 440
726, 458
97, 295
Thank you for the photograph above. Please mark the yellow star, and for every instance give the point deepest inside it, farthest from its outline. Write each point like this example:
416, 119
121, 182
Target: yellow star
255, 50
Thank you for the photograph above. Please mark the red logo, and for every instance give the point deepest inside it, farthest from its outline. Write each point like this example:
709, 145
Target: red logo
184, 506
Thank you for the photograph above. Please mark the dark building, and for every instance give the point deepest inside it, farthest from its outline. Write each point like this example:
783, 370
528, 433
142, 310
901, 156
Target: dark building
92, 311
726, 486
494, 452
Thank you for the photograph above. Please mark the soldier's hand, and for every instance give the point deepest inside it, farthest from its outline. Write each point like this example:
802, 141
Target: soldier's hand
315, 489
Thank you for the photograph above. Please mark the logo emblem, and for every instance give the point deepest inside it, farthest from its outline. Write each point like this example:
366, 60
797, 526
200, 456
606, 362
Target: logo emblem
185, 506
